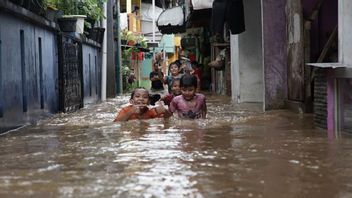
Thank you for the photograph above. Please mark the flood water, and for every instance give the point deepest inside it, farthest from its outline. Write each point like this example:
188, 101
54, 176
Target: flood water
238, 151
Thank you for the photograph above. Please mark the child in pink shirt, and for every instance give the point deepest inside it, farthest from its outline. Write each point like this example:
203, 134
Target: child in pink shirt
189, 104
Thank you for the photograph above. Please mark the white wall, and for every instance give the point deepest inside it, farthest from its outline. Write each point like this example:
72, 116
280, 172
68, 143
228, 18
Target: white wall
345, 29
246, 57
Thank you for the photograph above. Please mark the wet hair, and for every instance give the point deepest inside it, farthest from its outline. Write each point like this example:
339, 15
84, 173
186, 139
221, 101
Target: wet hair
153, 98
175, 80
133, 92
188, 80
175, 63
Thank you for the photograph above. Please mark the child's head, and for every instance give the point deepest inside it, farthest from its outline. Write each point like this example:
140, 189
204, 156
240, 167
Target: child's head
188, 85
174, 68
195, 65
140, 96
175, 87
186, 66
156, 66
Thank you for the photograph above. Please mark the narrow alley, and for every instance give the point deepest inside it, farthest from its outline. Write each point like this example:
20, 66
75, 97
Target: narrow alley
272, 79
238, 151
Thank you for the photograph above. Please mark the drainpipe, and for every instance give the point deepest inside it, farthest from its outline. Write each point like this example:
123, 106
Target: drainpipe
104, 57
118, 51
153, 18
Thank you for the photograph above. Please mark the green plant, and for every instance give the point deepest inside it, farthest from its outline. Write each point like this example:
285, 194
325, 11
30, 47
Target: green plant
127, 35
90, 8
68, 7
144, 43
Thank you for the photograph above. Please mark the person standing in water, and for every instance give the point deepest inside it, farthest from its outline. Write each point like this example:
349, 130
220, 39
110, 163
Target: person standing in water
189, 104
175, 91
175, 74
156, 78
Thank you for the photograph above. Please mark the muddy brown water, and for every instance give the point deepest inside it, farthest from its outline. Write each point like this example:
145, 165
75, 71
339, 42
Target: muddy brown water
238, 151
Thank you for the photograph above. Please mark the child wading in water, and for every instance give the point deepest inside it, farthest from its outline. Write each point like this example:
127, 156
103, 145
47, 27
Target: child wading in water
138, 108
175, 74
175, 91
189, 104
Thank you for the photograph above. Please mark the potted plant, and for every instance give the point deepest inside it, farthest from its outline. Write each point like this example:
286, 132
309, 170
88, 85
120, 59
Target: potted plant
92, 9
77, 11
126, 37
94, 12
123, 36
72, 23
71, 20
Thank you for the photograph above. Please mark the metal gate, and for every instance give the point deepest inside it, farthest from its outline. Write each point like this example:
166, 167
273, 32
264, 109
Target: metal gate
70, 73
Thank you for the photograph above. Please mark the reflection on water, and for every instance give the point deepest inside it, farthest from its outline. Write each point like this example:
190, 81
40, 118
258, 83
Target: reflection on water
237, 151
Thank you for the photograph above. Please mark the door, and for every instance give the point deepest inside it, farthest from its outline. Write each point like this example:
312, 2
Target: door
70, 74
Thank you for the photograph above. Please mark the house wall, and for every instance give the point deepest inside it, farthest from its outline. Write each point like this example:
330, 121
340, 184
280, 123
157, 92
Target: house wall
322, 25
29, 76
345, 29
275, 53
27, 79
246, 57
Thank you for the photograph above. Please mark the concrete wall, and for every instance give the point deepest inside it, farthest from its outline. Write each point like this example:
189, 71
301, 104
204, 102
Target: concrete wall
246, 57
91, 73
345, 29
275, 53
27, 79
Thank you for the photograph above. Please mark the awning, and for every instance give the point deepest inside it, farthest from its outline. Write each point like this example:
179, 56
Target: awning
172, 21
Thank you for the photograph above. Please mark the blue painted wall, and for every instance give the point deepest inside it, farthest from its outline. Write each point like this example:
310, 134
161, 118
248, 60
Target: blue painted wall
28, 83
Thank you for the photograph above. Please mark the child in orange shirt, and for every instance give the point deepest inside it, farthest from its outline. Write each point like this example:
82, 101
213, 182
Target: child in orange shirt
138, 108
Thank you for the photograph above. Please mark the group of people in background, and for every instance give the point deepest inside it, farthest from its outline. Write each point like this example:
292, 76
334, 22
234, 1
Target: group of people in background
182, 98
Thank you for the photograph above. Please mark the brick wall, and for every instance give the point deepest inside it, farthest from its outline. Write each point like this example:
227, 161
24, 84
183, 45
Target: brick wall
320, 98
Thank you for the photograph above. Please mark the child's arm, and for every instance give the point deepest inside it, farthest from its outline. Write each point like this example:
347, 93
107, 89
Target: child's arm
160, 109
204, 109
126, 113
198, 85
152, 77
166, 99
161, 76
166, 80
